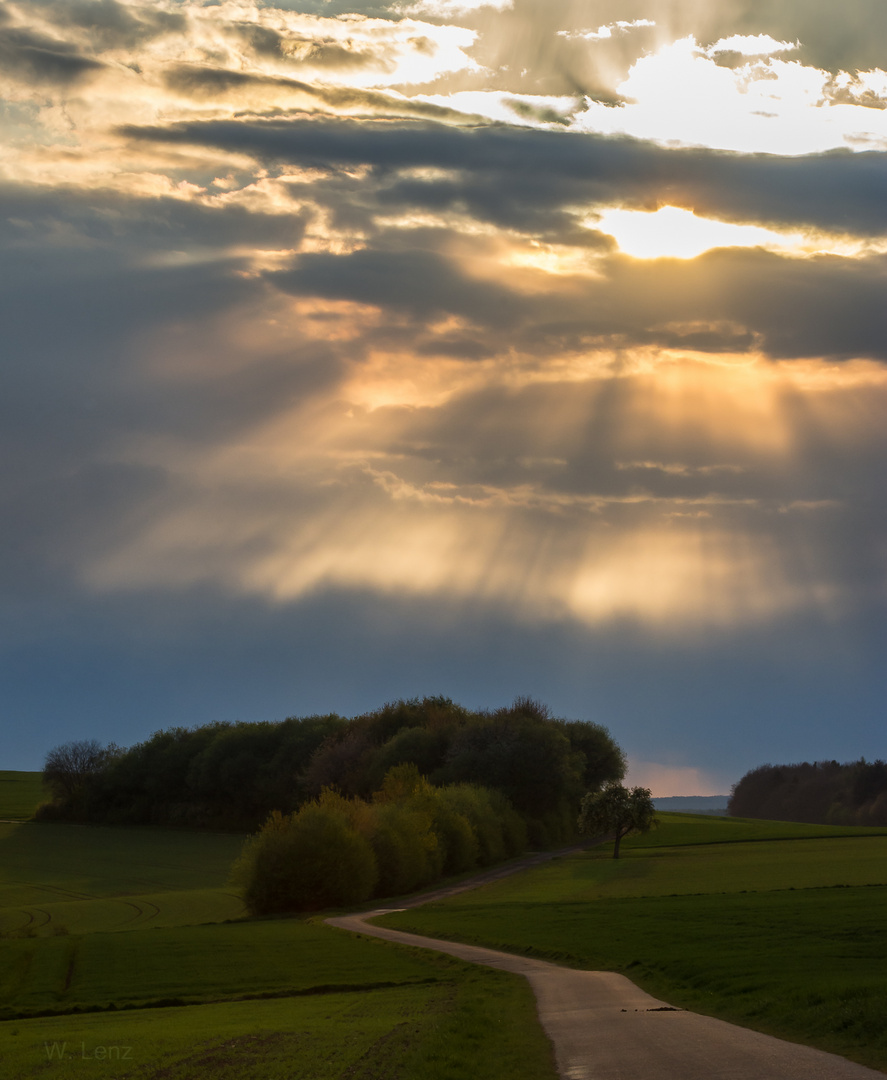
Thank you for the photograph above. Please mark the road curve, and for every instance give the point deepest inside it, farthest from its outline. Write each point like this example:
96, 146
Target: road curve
603, 1027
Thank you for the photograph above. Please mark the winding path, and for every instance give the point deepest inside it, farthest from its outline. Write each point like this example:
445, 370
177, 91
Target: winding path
603, 1027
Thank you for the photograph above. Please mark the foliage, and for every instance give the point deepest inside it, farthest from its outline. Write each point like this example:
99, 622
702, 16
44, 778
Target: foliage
276, 997
234, 775
311, 859
528, 760
618, 810
69, 768
822, 792
411, 831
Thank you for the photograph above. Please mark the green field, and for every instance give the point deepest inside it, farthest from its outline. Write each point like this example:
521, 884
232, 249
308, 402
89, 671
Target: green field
779, 927
58, 878
116, 961
124, 953
20, 794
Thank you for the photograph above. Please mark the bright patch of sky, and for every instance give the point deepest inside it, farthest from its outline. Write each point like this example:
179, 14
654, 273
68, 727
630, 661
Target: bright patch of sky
679, 95
679, 234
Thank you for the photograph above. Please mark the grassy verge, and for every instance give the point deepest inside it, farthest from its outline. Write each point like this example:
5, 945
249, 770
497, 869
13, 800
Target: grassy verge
786, 936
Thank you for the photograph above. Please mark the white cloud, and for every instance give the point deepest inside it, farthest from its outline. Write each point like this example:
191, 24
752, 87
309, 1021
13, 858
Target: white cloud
449, 9
604, 32
680, 96
752, 45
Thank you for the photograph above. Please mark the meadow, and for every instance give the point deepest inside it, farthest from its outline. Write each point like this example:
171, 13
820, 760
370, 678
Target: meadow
779, 927
20, 794
124, 953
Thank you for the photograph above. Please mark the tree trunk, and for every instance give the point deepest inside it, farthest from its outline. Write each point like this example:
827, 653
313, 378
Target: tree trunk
616, 845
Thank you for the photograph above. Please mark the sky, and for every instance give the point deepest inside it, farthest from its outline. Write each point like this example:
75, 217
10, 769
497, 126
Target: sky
484, 348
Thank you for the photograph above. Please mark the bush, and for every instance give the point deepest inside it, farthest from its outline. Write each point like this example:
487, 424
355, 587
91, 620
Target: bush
309, 860
476, 806
458, 843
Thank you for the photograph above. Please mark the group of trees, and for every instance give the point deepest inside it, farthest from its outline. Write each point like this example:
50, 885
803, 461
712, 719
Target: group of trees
235, 775
822, 792
339, 850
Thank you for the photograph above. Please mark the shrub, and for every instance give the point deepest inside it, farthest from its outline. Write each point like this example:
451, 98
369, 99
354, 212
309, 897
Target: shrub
309, 860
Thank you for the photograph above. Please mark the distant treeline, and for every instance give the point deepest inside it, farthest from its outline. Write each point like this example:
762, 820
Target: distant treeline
822, 793
233, 776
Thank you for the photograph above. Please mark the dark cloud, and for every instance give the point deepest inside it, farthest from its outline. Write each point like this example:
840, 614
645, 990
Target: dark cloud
263, 40
30, 55
789, 307
327, 54
420, 282
538, 171
204, 81
111, 24
822, 306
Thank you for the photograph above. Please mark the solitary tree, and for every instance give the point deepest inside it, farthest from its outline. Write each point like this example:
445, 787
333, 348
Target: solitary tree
618, 810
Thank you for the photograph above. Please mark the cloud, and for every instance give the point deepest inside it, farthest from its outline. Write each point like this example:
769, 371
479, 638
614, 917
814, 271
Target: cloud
112, 25
837, 191
604, 33
34, 56
451, 9
681, 95
307, 357
751, 45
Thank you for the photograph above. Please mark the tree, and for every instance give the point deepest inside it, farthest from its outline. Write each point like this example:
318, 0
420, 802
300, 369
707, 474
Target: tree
618, 810
305, 861
68, 768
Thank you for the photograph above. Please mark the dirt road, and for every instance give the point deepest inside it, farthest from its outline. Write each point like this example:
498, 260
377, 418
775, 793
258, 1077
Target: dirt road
603, 1027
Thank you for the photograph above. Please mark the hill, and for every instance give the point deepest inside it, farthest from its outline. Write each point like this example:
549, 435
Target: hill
694, 804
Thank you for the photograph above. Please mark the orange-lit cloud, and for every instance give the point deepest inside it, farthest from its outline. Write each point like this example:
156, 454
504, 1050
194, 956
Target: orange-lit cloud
551, 318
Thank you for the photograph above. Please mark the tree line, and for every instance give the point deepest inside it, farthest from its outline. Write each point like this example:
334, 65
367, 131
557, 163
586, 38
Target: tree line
821, 792
234, 775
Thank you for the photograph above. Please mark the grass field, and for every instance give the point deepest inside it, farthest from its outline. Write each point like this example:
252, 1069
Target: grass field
20, 794
115, 962
776, 926
57, 878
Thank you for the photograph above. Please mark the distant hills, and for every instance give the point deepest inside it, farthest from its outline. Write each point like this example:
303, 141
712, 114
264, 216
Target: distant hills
697, 804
